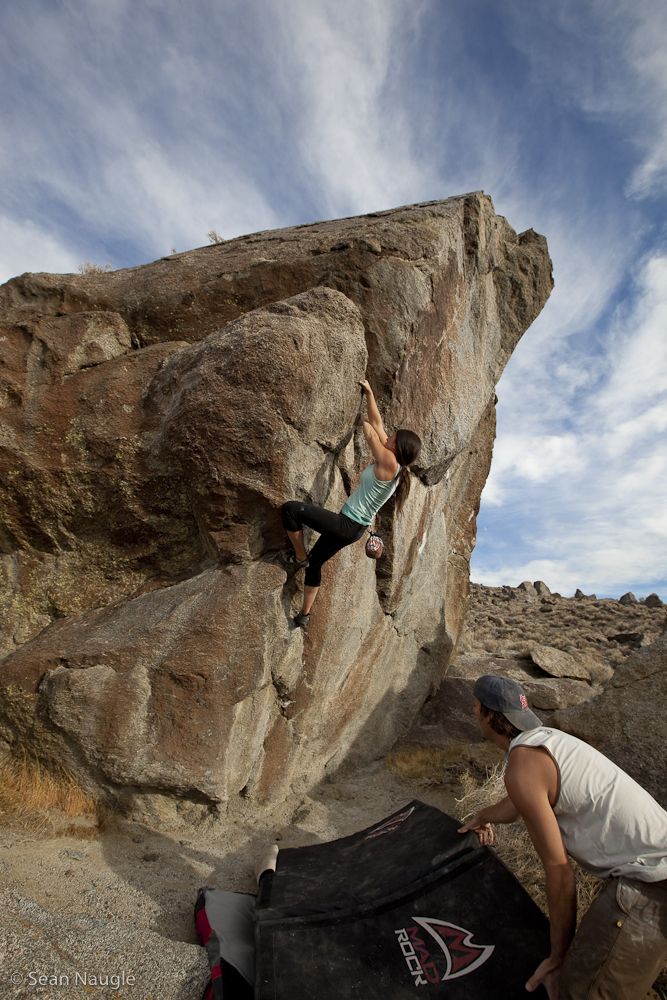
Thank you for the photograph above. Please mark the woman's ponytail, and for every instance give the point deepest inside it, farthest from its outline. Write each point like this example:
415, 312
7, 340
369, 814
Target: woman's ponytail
408, 446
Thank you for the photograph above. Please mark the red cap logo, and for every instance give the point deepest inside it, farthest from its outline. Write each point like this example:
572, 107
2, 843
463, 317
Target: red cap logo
524, 701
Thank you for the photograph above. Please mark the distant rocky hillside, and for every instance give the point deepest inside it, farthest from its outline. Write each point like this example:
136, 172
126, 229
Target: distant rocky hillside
596, 668
603, 632
153, 421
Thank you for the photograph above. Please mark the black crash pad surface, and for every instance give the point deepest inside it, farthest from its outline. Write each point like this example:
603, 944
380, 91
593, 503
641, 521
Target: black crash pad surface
396, 852
463, 927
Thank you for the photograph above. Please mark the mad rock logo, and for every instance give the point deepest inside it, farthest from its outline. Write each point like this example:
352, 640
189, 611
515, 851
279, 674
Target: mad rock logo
455, 945
390, 825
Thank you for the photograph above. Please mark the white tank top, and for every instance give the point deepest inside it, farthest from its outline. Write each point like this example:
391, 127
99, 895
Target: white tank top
610, 824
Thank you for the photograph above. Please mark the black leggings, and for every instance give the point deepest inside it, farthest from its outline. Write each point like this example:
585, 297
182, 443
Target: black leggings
336, 531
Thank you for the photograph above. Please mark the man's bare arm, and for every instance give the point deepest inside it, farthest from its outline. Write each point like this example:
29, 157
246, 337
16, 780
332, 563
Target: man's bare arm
530, 779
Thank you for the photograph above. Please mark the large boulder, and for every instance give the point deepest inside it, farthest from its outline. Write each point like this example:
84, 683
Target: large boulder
153, 422
556, 663
627, 721
83, 956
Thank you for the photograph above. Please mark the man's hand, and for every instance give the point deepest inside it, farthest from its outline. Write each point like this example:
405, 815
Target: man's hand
546, 974
365, 385
500, 812
481, 828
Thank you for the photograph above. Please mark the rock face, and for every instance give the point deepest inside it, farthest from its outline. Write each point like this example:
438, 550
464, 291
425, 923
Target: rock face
627, 721
153, 421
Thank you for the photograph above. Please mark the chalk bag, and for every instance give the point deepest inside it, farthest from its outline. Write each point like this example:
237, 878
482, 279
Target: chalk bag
374, 545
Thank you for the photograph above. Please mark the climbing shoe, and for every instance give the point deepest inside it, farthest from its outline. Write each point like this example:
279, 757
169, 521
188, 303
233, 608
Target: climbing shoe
290, 562
301, 621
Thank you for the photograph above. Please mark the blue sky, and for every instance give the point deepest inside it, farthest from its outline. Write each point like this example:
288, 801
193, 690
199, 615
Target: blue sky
134, 126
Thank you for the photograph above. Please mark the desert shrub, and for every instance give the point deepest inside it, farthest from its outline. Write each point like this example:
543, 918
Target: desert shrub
90, 267
423, 765
513, 845
31, 794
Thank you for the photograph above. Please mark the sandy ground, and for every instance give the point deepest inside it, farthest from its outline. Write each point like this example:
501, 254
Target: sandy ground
137, 880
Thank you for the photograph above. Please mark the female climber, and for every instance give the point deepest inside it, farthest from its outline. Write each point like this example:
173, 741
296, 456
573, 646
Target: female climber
389, 473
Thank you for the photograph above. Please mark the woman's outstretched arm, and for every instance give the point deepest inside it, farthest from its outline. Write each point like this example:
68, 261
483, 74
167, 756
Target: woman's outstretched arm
385, 460
374, 418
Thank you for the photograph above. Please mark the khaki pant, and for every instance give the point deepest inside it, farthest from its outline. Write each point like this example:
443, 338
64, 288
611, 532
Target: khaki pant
621, 945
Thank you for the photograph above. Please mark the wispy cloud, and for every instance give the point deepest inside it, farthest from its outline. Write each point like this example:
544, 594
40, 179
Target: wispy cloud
131, 128
150, 125
577, 489
22, 242
355, 137
583, 492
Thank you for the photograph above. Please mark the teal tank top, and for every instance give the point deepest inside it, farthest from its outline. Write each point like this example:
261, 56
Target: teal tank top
369, 496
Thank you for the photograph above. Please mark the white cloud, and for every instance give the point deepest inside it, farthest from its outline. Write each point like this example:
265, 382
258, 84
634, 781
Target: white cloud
647, 46
606, 58
26, 247
354, 135
591, 500
116, 130
639, 347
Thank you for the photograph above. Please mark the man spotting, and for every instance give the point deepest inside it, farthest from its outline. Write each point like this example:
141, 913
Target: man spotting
576, 802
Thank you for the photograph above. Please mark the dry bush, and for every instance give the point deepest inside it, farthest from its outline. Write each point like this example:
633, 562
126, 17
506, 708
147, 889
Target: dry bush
479, 770
424, 765
213, 237
90, 267
42, 799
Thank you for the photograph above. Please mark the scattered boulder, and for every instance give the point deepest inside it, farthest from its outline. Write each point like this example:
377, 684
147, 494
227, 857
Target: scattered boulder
628, 599
653, 601
627, 638
447, 715
527, 588
501, 619
541, 588
553, 693
580, 596
558, 663
505, 633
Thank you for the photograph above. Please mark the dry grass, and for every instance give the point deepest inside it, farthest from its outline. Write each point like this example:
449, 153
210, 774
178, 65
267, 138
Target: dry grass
424, 766
90, 267
45, 800
478, 769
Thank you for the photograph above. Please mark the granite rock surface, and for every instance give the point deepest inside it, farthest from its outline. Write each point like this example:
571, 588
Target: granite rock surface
626, 721
77, 955
154, 419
